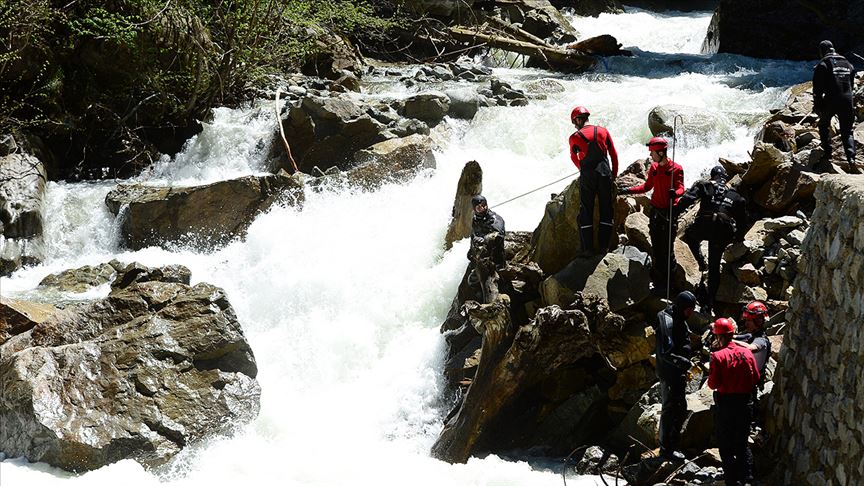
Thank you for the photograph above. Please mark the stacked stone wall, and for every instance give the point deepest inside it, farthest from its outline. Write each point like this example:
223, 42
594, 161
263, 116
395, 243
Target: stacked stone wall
817, 410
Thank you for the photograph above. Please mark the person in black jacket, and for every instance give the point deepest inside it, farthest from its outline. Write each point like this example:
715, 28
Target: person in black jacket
487, 229
721, 219
674, 350
833, 83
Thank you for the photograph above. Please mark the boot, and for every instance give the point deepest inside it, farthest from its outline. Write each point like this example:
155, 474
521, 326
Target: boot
586, 234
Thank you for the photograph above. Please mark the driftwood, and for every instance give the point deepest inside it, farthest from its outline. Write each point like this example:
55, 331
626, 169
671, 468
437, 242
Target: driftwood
514, 360
470, 184
527, 36
554, 56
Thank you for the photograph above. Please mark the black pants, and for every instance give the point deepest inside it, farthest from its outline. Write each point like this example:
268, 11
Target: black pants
592, 185
658, 230
732, 426
719, 235
845, 112
673, 413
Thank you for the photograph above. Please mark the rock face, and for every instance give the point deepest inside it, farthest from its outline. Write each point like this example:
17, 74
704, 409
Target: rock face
817, 414
206, 215
697, 121
22, 192
470, 184
514, 360
589, 8
780, 29
153, 367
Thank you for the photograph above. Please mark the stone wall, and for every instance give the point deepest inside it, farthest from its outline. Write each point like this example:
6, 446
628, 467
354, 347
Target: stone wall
817, 418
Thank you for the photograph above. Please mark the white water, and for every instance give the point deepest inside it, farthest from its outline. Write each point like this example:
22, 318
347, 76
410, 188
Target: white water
341, 302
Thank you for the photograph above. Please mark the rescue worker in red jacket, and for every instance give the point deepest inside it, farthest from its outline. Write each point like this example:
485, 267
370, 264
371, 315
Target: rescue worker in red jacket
733, 374
593, 152
667, 179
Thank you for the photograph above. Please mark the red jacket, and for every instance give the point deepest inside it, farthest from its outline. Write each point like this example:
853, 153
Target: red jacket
661, 179
603, 139
733, 370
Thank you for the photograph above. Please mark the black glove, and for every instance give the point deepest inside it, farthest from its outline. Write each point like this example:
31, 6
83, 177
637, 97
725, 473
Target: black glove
625, 191
478, 240
672, 194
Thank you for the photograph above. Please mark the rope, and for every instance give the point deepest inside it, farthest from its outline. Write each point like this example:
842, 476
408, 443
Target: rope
534, 190
671, 248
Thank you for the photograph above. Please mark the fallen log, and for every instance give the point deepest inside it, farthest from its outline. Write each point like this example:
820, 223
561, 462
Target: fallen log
526, 36
555, 57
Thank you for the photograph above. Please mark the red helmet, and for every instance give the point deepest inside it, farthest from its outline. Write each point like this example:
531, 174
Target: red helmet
657, 143
755, 310
723, 326
579, 112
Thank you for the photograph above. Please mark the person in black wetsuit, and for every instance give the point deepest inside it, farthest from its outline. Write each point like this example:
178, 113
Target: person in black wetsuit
487, 228
721, 220
673, 351
833, 84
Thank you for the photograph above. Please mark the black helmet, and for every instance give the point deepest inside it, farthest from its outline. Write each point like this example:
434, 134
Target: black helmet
685, 300
825, 47
478, 199
718, 172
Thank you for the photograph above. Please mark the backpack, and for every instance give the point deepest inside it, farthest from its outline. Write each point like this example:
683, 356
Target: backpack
596, 158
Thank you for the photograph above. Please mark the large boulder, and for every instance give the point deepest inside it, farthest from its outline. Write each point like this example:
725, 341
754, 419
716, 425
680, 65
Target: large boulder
788, 186
324, 132
766, 159
155, 366
463, 103
19, 316
205, 216
694, 121
620, 277
392, 161
428, 107
778, 29
514, 361
81, 279
470, 184
22, 194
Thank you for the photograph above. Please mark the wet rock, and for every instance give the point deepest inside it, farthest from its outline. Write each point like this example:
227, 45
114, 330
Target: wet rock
779, 135
463, 104
470, 184
602, 45
22, 194
696, 120
556, 239
545, 85
410, 126
141, 374
324, 132
428, 107
597, 461
83, 278
207, 216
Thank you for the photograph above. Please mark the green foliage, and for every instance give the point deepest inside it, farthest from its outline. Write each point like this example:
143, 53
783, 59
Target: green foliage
131, 63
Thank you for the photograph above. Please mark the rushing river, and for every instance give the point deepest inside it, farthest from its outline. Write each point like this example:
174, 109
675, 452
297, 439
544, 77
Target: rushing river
341, 302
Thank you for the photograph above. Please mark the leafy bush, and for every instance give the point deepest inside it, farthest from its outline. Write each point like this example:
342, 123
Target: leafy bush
105, 77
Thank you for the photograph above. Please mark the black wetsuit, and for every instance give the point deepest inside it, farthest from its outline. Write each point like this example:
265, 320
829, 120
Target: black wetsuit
483, 225
673, 362
833, 80
721, 220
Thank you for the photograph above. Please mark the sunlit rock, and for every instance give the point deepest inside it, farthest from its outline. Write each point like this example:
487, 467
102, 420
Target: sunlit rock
152, 368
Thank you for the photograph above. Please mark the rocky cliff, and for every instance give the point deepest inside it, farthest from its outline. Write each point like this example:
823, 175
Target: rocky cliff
818, 406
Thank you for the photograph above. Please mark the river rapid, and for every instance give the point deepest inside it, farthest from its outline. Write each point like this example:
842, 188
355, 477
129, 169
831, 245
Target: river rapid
341, 302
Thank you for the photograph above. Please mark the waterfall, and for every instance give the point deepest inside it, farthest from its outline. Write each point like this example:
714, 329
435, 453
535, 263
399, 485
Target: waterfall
341, 301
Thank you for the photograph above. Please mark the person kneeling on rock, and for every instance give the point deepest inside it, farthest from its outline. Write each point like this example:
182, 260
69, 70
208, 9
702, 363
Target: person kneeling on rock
674, 349
733, 375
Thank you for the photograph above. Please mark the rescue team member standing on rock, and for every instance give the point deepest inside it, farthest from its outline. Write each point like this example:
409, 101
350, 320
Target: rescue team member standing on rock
673, 352
732, 376
833, 80
721, 219
591, 149
667, 179
753, 316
